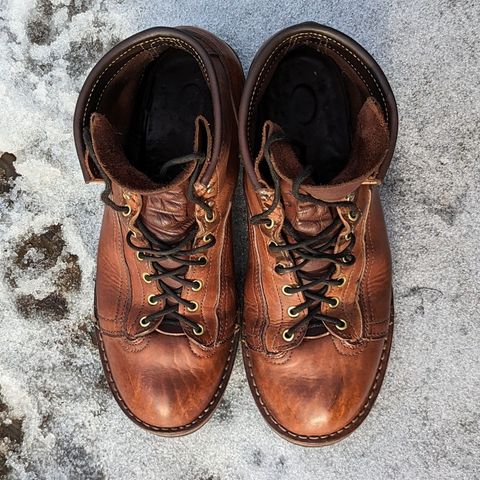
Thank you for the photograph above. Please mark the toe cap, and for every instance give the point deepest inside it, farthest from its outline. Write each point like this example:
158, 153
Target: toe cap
316, 391
163, 382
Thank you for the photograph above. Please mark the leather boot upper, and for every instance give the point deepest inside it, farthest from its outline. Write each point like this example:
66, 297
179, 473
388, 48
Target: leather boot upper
165, 292
318, 291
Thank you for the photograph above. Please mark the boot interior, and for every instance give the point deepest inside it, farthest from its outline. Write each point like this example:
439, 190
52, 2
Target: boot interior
315, 100
152, 101
171, 95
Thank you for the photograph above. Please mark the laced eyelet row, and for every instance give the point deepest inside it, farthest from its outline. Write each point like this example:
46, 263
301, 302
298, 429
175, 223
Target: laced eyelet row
288, 336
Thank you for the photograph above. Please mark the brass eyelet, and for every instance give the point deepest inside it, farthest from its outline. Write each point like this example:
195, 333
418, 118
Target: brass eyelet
348, 236
128, 212
151, 300
143, 323
285, 292
292, 315
198, 330
352, 215
280, 265
145, 279
199, 286
194, 308
270, 224
335, 304
342, 281
209, 219
208, 238
204, 259
343, 326
287, 335
139, 256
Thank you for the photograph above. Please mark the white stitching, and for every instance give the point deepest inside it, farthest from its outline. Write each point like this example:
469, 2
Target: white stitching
364, 410
319, 36
153, 42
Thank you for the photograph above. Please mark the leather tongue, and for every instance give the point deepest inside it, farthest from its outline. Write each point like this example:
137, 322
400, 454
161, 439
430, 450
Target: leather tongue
166, 210
305, 217
168, 213
369, 146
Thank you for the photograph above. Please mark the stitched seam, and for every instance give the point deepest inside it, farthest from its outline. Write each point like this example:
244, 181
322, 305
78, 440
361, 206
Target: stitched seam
153, 427
362, 413
180, 43
275, 52
370, 252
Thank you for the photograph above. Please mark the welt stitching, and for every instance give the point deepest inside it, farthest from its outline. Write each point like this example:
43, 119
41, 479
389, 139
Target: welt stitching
165, 429
336, 433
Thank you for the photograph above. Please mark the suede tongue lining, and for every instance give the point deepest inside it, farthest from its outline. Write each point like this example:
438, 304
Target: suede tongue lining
166, 211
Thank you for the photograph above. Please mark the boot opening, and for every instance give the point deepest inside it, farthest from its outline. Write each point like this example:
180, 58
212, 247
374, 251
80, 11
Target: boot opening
171, 95
315, 99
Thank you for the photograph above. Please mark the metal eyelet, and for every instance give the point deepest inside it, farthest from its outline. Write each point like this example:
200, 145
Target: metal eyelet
270, 224
151, 300
208, 238
285, 292
128, 212
287, 335
343, 326
194, 308
335, 304
347, 236
342, 281
278, 266
139, 256
204, 261
198, 330
145, 279
143, 323
292, 315
209, 219
199, 286
352, 215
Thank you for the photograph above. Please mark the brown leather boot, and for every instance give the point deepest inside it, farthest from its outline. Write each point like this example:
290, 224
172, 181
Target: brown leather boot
318, 126
155, 121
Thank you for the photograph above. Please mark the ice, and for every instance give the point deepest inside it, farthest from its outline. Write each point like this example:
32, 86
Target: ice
425, 423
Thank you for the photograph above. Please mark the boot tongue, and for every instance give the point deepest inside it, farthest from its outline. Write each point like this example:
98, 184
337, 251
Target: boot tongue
166, 210
369, 145
169, 214
305, 217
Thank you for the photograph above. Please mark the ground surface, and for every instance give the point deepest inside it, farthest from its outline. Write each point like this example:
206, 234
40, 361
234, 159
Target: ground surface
57, 417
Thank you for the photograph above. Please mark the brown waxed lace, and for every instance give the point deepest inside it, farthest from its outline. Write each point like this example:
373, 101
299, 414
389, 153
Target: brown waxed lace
308, 248
158, 250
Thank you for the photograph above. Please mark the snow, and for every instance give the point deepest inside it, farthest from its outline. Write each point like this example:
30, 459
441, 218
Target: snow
425, 423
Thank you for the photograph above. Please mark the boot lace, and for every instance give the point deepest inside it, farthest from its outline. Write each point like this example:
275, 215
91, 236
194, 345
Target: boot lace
306, 248
157, 250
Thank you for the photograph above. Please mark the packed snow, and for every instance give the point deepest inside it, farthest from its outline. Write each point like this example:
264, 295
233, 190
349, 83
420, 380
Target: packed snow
58, 419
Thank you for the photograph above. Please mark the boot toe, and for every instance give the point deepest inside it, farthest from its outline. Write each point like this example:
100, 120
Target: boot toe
173, 392
327, 398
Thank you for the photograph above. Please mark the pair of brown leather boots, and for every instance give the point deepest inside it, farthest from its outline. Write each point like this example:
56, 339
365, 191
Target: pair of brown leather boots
161, 120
